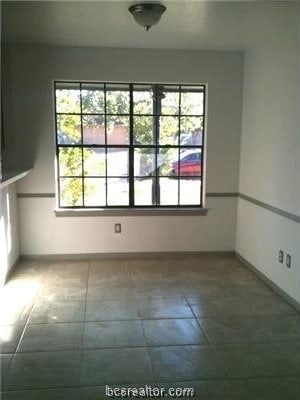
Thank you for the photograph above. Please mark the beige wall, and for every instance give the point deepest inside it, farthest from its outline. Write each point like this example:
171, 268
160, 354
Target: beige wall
270, 145
9, 235
30, 72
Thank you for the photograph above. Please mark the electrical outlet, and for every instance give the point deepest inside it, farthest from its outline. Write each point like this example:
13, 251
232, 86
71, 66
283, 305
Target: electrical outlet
288, 261
118, 228
281, 256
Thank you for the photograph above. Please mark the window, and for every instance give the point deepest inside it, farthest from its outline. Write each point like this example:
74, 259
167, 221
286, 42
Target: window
129, 145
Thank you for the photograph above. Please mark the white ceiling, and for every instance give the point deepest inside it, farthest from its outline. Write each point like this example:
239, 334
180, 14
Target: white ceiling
205, 25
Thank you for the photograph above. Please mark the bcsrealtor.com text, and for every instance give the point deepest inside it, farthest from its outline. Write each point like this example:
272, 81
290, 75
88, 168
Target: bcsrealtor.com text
149, 391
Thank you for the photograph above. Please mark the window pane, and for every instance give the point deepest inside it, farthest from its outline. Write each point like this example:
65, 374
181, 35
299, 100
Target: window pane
191, 102
168, 131
170, 101
190, 190
93, 129
189, 163
70, 161
143, 191
144, 162
168, 191
68, 128
117, 99
70, 192
191, 131
92, 98
142, 99
165, 158
143, 130
94, 192
94, 162
117, 162
117, 192
117, 130
67, 98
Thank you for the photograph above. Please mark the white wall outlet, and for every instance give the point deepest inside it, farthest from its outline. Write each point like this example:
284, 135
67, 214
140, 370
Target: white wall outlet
118, 228
281, 256
288, 261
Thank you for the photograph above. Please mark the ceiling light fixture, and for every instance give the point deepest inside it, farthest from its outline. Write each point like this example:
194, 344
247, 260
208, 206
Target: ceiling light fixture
147, 14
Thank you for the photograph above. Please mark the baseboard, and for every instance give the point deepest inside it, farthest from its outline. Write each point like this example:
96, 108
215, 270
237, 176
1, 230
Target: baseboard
268, 282
127, 255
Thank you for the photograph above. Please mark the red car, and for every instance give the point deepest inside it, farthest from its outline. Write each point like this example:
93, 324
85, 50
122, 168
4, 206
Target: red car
189, 164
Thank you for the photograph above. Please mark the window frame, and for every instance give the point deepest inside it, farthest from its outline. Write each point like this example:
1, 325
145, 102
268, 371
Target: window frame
131, 146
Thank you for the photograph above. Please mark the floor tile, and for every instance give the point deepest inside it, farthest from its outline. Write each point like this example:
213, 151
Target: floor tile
258, 288
60, 292
291, 351
291, 386
108, 391
108, 272
208, 288
69, 266
160, 273
218, 389
254, 350
281, 327
218, 306
157, 290
149, 265
111, 310
164, 307
175, 363
261, 389
46, 394
32, 268
109, 268
254, 360
18, 301
57, 311
173, 332
267, 305
43, 370
113, 334
5, 360
113, 290
232, 330
115, 366
9, 337
48, 337
66, 281
93, 393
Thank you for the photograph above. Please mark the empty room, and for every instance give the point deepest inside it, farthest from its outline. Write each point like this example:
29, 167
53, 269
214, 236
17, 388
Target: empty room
150, 200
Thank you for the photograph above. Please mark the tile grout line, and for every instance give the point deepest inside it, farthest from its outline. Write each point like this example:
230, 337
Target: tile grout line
209, 342
141, 321
83, 328
31, 311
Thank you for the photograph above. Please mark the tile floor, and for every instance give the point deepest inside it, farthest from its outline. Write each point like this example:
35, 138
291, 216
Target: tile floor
70, 328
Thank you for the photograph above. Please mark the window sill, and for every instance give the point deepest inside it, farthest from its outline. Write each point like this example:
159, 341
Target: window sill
119, 212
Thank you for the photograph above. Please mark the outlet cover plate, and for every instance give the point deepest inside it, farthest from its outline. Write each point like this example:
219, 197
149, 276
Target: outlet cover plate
288, 261
281, 256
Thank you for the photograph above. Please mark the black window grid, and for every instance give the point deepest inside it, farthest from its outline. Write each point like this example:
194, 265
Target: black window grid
132, 146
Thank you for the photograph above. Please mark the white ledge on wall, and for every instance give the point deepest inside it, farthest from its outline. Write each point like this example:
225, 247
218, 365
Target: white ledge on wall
127, 212
10, 177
